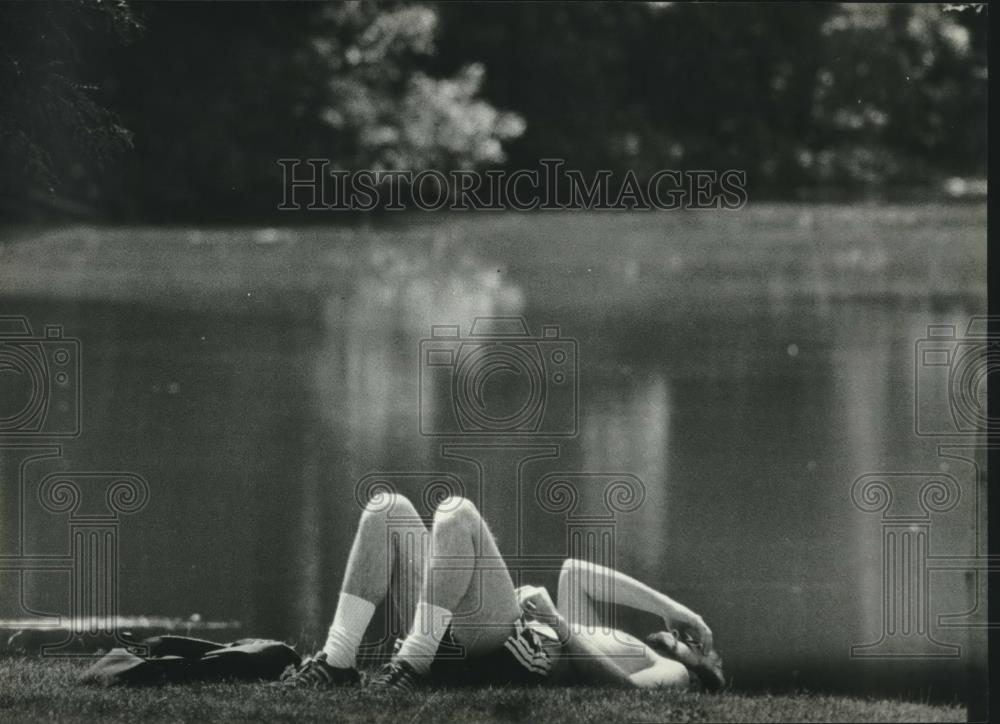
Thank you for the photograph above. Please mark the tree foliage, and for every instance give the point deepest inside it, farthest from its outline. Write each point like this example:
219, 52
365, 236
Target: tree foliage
52, 130
821, 97
217, 94
808, 95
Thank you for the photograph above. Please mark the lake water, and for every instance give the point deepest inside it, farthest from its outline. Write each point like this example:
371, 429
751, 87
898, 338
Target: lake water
727, 377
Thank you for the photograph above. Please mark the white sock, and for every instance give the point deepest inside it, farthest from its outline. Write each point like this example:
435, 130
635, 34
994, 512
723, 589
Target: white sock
346, 631
429, 624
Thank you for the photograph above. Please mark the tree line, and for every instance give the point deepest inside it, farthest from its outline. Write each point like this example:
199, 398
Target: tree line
179, 111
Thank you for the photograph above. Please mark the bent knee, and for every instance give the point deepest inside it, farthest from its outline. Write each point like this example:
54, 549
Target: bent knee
455, 508
382, 504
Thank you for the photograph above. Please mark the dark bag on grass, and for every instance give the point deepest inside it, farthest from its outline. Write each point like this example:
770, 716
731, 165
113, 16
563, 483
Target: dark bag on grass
172, 659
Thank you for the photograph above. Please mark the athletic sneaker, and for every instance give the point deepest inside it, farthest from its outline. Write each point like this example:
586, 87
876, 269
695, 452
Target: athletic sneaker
315, 673
396, 675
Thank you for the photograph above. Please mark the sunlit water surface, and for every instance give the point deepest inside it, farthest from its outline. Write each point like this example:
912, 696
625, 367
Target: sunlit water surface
735, 374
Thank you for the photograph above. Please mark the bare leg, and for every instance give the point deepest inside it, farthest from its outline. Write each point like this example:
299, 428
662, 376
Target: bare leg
468, 576
388, 555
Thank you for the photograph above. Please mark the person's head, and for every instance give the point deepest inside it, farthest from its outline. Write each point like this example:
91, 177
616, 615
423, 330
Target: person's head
664, 643
704, 669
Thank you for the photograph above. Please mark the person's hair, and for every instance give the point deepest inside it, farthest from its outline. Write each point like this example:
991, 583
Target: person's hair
706, 676
660, 642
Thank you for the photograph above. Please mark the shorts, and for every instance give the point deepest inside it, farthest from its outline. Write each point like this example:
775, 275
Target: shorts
521, 661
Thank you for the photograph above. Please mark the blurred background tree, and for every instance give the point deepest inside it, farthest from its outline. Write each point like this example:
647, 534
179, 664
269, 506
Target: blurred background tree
217, 93
812, 100
809, 98
53, 133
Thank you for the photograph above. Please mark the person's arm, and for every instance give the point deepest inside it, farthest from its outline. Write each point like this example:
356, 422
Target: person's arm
606, 585
593, 665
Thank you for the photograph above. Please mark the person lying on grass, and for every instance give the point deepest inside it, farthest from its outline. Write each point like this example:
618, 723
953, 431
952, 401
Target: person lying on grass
471, 626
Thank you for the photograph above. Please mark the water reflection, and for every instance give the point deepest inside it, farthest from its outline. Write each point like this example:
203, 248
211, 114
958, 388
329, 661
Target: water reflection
364, 399
626, 429
746, 398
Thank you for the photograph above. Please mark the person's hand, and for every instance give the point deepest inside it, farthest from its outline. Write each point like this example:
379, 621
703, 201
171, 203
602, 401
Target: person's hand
696, 633
691, 631
537, 603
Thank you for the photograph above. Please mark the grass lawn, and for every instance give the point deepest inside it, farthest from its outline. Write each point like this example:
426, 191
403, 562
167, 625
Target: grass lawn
37, 689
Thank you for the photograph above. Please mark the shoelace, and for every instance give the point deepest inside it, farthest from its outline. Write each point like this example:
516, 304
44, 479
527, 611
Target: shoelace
312, 672
394, 675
